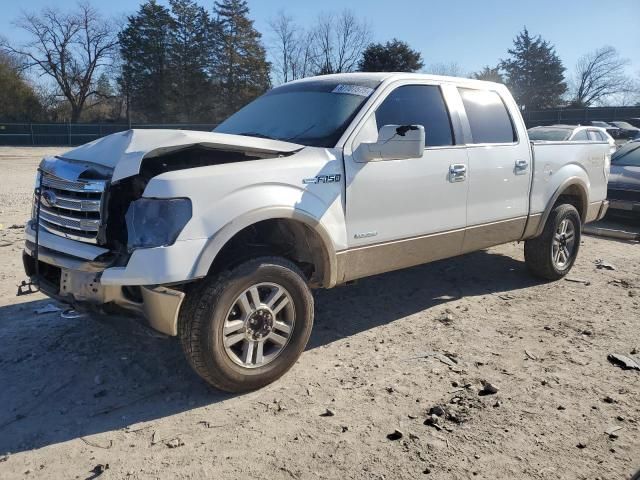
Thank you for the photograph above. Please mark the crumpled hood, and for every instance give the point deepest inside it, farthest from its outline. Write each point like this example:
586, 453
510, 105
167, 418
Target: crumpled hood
123, 152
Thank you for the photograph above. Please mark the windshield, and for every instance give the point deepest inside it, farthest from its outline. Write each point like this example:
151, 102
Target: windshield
627, 155
312, 113
624, 125
549, 134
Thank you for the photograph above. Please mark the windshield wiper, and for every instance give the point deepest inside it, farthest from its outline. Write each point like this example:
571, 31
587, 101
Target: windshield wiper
256, 134
299, 134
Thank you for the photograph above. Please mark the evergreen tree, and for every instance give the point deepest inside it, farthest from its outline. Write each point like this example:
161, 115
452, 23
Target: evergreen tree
189, 62
489, 74
239, 58
393, 56
144, 47
18, 100
535, 73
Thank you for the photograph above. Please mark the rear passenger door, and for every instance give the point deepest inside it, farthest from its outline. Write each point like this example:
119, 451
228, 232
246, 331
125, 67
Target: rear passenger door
499, 171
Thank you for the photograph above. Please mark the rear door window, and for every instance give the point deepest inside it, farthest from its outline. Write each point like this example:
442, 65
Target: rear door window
580, 136
488, 116
418, 105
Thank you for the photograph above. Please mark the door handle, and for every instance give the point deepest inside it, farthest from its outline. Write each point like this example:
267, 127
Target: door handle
457, 172
521, 165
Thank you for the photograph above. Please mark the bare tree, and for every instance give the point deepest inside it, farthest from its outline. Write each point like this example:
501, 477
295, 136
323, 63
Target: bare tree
599, 75
338, 42
286, 36
452, 69
71, 48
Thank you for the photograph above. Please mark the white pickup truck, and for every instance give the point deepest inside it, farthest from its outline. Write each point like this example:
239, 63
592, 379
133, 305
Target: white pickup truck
218, 238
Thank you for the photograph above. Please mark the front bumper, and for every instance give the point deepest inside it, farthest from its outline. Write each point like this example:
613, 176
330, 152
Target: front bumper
147, 266
79, 282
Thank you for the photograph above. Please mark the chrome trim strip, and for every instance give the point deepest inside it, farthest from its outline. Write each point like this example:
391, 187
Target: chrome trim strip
96, 186
70, 236
81, 224
77, 204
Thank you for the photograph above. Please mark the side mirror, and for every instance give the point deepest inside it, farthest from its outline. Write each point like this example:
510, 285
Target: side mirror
395, 142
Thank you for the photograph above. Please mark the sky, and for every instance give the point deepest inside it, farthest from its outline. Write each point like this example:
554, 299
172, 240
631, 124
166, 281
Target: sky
471, 33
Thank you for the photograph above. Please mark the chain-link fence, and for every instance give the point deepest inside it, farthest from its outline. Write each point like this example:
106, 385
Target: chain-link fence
53, 134
575, 116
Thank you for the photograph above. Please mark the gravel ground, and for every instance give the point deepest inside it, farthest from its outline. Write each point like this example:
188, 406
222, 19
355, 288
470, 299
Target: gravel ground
79, 395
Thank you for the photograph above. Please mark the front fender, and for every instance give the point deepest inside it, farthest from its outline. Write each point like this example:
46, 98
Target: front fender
227, 232
230, 197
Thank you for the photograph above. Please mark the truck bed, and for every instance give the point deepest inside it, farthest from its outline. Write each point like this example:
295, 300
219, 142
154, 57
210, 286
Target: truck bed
586, 161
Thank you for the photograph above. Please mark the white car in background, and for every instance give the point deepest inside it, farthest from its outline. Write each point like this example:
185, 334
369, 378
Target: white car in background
572, 133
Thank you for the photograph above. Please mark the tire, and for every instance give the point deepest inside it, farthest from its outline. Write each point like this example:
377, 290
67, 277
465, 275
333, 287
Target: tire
224, 310
541, 253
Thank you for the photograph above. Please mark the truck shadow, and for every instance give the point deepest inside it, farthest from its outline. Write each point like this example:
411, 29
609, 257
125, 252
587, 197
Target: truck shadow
68, 379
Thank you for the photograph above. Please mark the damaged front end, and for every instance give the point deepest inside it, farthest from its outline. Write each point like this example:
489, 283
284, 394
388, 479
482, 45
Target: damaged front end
66, 257
90, 224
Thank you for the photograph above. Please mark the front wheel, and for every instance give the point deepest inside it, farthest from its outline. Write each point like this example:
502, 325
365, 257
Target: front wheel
245, 328
552, 254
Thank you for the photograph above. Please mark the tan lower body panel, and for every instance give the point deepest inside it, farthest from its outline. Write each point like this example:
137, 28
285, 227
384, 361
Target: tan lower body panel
384, 257
533, 225
596, 210
495, 233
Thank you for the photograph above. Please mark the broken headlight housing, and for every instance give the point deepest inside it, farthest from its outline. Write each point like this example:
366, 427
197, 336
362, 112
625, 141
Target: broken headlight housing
156, 222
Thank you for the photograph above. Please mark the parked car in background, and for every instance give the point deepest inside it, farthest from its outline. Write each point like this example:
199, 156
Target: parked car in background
624, 181
634, 121
611, 130
626, 129
572, 133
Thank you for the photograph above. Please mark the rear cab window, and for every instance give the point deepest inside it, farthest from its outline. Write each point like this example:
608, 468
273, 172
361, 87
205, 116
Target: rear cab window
418, 105
488, 116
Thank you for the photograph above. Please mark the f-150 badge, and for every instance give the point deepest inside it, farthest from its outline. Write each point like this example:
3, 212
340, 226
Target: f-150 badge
323, 179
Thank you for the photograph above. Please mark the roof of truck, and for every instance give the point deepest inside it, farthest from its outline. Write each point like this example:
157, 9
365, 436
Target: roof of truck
380, 77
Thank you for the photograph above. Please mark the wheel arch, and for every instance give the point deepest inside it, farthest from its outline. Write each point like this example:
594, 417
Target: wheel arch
308, 237
573, 191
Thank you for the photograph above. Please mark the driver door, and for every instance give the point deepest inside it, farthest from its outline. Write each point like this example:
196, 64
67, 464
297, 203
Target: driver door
406, 212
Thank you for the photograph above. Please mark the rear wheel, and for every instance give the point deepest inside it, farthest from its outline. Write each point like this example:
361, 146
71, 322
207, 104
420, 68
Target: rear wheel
247, 327
552, 254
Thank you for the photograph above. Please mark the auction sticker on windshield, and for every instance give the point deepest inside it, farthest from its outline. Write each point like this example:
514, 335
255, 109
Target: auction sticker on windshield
353, 90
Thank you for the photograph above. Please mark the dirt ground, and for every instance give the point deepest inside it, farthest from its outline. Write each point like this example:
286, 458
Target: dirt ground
79, 393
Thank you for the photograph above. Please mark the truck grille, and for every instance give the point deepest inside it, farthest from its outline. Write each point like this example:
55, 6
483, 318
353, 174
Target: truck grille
71, 209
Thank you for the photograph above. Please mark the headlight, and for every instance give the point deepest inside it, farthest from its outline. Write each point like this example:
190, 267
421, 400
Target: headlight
154, 222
